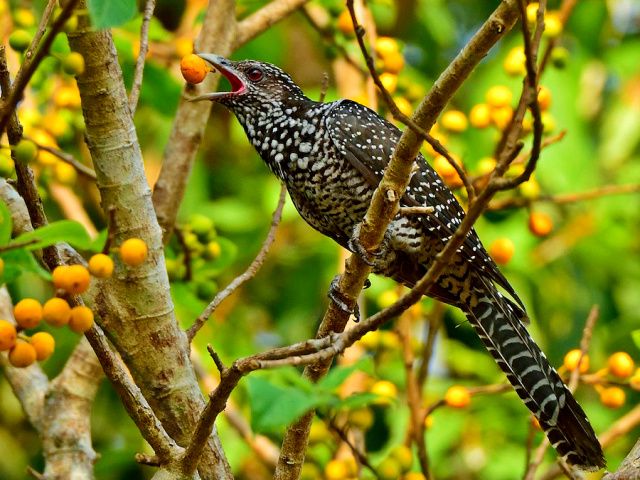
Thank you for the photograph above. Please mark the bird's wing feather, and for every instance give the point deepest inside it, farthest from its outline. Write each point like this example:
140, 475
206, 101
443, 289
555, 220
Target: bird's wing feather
368, 141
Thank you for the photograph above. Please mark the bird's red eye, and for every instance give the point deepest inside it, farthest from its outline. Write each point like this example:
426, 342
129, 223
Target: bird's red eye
255, 74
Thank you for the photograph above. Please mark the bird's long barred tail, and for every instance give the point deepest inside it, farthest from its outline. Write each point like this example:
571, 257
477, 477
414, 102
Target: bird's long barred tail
534, 379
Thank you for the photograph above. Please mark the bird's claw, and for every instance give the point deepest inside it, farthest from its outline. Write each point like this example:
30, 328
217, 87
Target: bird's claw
335, 295
367, 257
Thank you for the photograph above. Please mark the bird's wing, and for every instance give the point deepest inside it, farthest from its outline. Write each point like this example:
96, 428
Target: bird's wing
368, 141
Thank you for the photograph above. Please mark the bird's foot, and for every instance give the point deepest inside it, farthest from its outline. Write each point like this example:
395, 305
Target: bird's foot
335, 295
367, 257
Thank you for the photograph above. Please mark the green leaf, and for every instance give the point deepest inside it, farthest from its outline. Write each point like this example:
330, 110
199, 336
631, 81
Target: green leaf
111, 13
98, 243
359, 400
635, 335
338, 375
19, 261
62, 231
6, 224
275, 406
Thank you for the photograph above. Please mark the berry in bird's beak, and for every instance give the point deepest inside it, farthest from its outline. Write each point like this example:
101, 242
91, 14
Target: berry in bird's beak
225, 67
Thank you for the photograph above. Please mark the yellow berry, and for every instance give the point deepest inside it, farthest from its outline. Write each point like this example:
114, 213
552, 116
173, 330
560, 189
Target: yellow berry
544, 98
499, 96
336, 470
572, 358
515, 62
454, 121
389, 469
28, 313
310, 471
25, 151
414, 476
403, 105
621, 365
24, 17
73, 64
81, 319
8, 335
101, 265
501, 116
1, 267
457, 397
65, 173
20, 40
532, 12
540, 224
393, 62
612, 397
371, 340
193, 68
486, 165
361, 418
403, 455
318, 432
22, 354
502, 250
480, 115
386, 390
389, 81
530, 189
447, 171
548, 122
44, 344
386, 46
133, 251
56, 312
552, 24
388, 298
634, 381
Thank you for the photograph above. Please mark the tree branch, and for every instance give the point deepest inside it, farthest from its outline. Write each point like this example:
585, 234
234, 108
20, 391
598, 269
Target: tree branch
134, 95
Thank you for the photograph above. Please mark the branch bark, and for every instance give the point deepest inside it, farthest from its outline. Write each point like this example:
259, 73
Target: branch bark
135, 306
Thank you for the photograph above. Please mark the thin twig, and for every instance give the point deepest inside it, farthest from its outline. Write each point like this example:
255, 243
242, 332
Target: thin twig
67, 158
415, 210
564, 198
360, 456
134, 95
248, 274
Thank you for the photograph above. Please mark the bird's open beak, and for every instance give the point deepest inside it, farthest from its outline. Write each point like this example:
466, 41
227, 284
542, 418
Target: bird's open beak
230, 73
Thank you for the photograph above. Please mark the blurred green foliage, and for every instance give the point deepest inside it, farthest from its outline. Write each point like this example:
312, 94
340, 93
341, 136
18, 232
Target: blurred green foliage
590, 258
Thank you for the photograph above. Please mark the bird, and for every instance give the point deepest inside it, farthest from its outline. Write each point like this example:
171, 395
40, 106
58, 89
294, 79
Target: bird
331, 156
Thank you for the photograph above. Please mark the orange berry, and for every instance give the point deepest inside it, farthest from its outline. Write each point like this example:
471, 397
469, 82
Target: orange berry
544, 98
634, 381
612, 397
44, 344
501, 116
344, 23
133, 251
572, 358
502, 250
446, 171
540, 224
78, 279
60, 277
8, 335
101, 265
81, 319
480, 115
28, 313
22, 354
193, 68
56, 312
621, 365
499, 96
454, 121
393, 62
457, 397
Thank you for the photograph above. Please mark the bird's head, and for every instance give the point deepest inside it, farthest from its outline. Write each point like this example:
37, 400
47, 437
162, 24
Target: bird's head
252, 83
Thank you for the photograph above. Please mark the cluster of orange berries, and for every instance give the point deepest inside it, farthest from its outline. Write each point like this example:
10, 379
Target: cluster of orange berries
620, 365
68, 280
